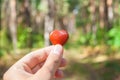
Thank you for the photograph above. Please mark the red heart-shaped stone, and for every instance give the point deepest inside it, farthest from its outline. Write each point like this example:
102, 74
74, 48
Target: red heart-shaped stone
59, 37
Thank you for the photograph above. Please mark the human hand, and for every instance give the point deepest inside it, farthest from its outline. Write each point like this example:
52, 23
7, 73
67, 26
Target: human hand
42, 64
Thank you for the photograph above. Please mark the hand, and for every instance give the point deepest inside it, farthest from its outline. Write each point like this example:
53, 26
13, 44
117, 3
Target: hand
42, 64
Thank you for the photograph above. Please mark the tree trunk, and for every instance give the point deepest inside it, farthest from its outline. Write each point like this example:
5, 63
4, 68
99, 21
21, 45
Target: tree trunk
106, 15
110, 13
12, 23
102, 13
93, 19
27, 20
49, 21
0, 13
71, 24
92, 16
27, 16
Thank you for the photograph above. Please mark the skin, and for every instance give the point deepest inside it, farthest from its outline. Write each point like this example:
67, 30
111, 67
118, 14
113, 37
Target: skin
42, 64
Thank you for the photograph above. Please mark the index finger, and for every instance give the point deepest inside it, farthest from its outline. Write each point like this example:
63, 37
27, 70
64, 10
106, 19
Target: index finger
36, 57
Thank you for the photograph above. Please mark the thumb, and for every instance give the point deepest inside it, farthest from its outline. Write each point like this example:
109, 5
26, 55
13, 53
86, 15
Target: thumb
53, 61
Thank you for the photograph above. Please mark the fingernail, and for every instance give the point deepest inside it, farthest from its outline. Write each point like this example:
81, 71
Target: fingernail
56, 49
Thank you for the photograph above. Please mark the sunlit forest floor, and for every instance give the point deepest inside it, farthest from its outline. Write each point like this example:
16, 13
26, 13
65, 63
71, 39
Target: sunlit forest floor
84, 63
92, 64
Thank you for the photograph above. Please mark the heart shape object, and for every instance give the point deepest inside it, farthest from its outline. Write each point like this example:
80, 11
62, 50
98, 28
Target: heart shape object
59, 37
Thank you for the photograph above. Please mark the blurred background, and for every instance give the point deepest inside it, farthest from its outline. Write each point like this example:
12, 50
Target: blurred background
93, 48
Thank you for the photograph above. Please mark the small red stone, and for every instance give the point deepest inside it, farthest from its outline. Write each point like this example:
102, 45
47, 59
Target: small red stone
59, 37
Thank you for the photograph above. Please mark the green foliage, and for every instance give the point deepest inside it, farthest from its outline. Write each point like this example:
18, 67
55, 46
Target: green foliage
101, 37
38, 40
23, 34
114, 37
1, 52
26, 37
73, 4
43, 6
114, 34
84, 38
63, 7
36, 3
4, 42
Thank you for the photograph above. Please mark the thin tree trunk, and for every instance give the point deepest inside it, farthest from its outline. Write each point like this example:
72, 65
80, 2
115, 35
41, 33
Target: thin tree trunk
12, 23
49, 21
102, 13
71, 23
110, 13
4, 11
37, 18
27, 18
0, 13
106, 15
93, 19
